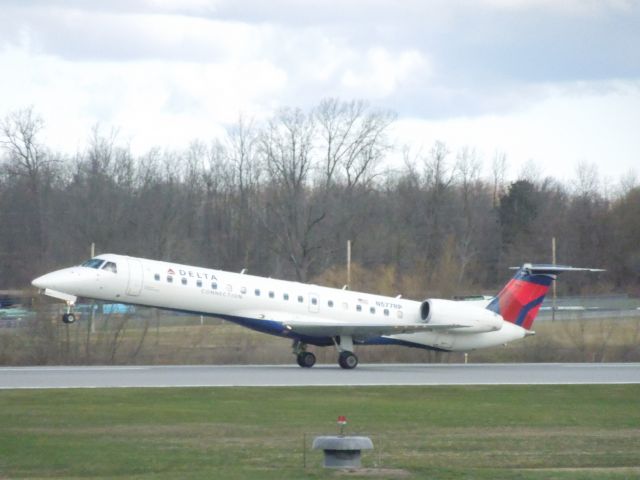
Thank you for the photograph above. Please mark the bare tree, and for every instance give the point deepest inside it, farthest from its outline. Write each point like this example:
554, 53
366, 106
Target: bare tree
498, 174
587, 181
286, 145
102, 187
628, 182
468, 167
316, 163
159, 205
439, 176
353, 138
352, 141
530, 172
27, 157
246, 173
27, 162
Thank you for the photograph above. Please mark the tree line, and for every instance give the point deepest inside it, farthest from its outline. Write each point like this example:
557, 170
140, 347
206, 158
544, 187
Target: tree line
282, 197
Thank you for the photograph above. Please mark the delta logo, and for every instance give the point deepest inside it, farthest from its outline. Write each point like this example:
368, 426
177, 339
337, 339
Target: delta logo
192, 274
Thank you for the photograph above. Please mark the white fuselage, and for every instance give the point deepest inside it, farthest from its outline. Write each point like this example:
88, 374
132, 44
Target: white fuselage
267, 304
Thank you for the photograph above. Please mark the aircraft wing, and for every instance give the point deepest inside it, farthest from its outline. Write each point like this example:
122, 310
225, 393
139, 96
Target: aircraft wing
327, 328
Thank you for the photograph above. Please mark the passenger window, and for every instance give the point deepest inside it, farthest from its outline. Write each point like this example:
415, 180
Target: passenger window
271, 294
199, 283
372, 309
399, 313
300, 299
184, 281
359, 308
243, 289
330, 303
214, 286
386, 312
285, 296
314, 301
257, 292
156, 277
169, 279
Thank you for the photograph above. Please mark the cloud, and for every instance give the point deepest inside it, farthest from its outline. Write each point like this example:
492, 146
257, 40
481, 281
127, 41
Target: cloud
381, 73
166, 71
86, 35
469, 44
156, 103
557, 133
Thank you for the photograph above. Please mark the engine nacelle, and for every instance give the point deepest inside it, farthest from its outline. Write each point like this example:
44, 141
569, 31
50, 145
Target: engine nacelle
474, 319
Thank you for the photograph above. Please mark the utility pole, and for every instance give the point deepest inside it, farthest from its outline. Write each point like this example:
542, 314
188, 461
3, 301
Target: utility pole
349, 264
92, 319
553, 260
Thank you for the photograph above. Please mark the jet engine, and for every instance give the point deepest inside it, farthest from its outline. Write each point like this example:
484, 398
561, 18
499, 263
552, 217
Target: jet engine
463, 318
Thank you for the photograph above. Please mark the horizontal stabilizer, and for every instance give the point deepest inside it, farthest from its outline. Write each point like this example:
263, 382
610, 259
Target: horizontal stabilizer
549, 269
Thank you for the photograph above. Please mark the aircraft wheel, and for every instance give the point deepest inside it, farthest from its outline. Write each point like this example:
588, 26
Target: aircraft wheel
306, 359
68, 318
348, 360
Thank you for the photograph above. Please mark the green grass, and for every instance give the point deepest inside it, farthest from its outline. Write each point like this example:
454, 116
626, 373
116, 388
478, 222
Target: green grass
523, 432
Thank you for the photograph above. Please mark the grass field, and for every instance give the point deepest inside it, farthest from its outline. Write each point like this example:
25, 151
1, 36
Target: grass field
536, 432
188, 342
150, 337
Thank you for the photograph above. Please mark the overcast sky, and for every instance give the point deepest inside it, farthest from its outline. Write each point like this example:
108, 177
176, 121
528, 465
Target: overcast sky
546, 81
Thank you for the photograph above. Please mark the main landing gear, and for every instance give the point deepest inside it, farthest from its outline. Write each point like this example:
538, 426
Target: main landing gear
344, 344
305, 359
347, 359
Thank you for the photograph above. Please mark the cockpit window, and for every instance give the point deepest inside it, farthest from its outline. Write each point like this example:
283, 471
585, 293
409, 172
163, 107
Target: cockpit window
93, 263
110, 267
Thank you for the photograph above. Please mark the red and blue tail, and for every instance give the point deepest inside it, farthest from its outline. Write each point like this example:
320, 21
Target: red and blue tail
519, 301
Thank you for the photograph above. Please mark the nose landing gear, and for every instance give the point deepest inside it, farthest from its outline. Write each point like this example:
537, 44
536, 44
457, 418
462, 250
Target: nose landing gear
69, 317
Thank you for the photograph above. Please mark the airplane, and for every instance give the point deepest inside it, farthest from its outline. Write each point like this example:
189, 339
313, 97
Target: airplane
310, 314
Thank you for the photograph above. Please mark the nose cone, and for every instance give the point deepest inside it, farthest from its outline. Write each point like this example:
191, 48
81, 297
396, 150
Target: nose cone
45, 281
57, 280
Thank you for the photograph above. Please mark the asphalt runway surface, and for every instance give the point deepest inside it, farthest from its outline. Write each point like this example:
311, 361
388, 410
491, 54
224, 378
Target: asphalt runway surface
320, 375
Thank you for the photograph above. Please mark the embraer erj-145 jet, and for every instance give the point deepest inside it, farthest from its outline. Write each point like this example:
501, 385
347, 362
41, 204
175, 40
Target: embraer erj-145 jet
310, 314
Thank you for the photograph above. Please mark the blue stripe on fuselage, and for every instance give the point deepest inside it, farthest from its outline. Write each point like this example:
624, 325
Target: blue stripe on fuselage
270, 327
273, 327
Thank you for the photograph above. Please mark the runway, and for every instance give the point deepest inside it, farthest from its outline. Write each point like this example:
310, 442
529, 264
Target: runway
321, 375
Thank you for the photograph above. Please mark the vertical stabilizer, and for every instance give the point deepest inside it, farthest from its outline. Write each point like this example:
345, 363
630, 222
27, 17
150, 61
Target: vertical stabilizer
519, 301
